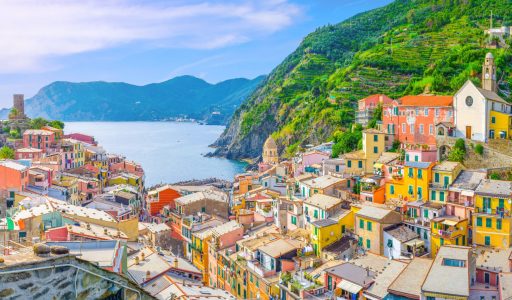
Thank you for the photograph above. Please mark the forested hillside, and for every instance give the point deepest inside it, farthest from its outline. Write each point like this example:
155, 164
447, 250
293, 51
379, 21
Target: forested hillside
406, 47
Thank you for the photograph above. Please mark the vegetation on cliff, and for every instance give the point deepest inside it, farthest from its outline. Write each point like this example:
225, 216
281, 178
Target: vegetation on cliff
406, 47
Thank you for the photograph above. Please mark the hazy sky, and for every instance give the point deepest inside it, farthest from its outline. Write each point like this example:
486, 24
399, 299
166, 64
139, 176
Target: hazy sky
145, 41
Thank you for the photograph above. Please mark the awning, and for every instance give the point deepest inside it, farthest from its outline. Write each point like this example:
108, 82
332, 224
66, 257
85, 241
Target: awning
450, 222
415, 243
349, 286
378, 165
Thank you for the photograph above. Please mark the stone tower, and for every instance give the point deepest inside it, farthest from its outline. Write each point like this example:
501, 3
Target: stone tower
270, 154
489, 73
19, 105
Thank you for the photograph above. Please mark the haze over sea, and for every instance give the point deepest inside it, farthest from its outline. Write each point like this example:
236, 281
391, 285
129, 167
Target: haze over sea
168, 151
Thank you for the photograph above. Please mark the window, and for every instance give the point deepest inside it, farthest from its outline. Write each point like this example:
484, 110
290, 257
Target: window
369, 226
436, 177
479, 221
421, 128
411, 191
450, 262
403, 128
501, 203
375, 138
425, 112
411, 173
392, 189
315, 214
349, 163
437, 112
425, 213
411, 128
203, 209
420, 193
294, 220
488, 223
498, 224
431, 129
487, 240
493, 120
390, 243
375, 149
342, 228
441, 196
433, 195
441, 241
360, 163
361, 223
368, 244
360, 242
420, 174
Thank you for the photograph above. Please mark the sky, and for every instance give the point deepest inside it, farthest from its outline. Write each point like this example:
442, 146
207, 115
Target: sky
142, 41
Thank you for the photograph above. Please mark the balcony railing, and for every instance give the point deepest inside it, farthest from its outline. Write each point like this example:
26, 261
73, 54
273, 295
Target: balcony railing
259, 269
500, 212
417, 221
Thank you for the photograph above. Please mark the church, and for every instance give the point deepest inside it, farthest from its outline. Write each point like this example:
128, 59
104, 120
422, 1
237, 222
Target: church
480, 113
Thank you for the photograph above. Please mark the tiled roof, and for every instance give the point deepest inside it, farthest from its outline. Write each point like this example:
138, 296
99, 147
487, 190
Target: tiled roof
426, 100
322, 201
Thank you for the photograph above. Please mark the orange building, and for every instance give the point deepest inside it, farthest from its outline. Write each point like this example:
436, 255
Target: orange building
160, 197
13, 178
413, 119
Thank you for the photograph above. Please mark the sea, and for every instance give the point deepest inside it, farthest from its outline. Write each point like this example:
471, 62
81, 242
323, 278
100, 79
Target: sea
169, 152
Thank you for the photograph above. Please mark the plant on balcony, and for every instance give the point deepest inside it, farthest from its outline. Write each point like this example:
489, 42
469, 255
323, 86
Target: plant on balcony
295, 287
286, 277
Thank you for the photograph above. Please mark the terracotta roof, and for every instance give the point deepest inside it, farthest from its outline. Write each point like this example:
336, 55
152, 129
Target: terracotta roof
426, 100
374, 99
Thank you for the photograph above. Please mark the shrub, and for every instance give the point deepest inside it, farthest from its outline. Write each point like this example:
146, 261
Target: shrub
495, 176
6, 153
479, 149
456, 155
461, 145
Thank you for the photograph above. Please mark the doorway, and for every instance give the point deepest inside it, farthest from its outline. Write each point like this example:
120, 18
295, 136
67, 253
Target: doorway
468, 132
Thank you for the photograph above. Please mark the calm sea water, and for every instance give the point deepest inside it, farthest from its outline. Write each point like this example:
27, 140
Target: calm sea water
168, 151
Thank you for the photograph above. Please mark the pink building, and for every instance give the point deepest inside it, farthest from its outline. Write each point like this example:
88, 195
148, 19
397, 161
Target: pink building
82, 138
39, 139
127, 166
28, 153
418, 153
224, 237
311, 158
40, 177
367, 106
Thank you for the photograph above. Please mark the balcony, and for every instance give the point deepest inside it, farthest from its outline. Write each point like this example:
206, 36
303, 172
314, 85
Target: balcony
259, 269
498, 212
417, 221
438, 186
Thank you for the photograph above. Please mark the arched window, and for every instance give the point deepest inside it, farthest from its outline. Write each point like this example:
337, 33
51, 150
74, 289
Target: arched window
440, 131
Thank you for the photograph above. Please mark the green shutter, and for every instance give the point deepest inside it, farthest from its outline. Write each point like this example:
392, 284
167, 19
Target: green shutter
479, 221
433, 195
392, 189
441, 196
420, 174
369, 226
368, 244
361, 223
498, 224
488, 223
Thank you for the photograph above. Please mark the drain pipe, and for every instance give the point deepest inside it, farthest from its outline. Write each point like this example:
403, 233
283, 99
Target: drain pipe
76, 275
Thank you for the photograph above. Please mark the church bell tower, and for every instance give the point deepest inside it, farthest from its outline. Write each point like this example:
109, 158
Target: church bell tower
489, 73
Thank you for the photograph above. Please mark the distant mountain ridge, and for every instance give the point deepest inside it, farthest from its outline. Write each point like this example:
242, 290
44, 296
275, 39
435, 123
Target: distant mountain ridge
179, 97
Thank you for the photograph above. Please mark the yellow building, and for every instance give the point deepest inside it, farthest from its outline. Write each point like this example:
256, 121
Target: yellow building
370, 222
417, 176
362, 161
491, 220
500, 125
78, 152
126, 178
444, 174
327, 231
448, 230
200, 252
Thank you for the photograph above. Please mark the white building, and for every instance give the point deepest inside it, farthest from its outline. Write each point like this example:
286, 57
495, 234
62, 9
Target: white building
470, 101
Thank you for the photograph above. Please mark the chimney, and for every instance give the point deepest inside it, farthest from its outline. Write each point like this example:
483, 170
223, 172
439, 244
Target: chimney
176, 262
148, 275
381, 98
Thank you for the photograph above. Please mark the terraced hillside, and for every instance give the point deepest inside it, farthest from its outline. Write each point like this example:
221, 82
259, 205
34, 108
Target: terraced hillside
406, 47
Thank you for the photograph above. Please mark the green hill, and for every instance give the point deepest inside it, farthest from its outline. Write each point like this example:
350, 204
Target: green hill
116, 101
406, 47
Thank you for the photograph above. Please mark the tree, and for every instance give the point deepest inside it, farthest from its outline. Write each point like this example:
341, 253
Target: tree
6, 153
13, 113
377, 116
56, 124
37, 123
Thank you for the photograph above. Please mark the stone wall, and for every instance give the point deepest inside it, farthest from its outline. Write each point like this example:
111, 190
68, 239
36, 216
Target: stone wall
65, 277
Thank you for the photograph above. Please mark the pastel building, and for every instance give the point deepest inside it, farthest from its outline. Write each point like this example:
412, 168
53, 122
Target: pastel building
367, 106
492, 217
370, 222
412, 119
39, 139
361, 162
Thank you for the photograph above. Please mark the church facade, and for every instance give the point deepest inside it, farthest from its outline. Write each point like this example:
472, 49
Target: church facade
480, 113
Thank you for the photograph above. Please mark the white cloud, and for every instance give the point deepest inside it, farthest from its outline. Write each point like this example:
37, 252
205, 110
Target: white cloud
32, 31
